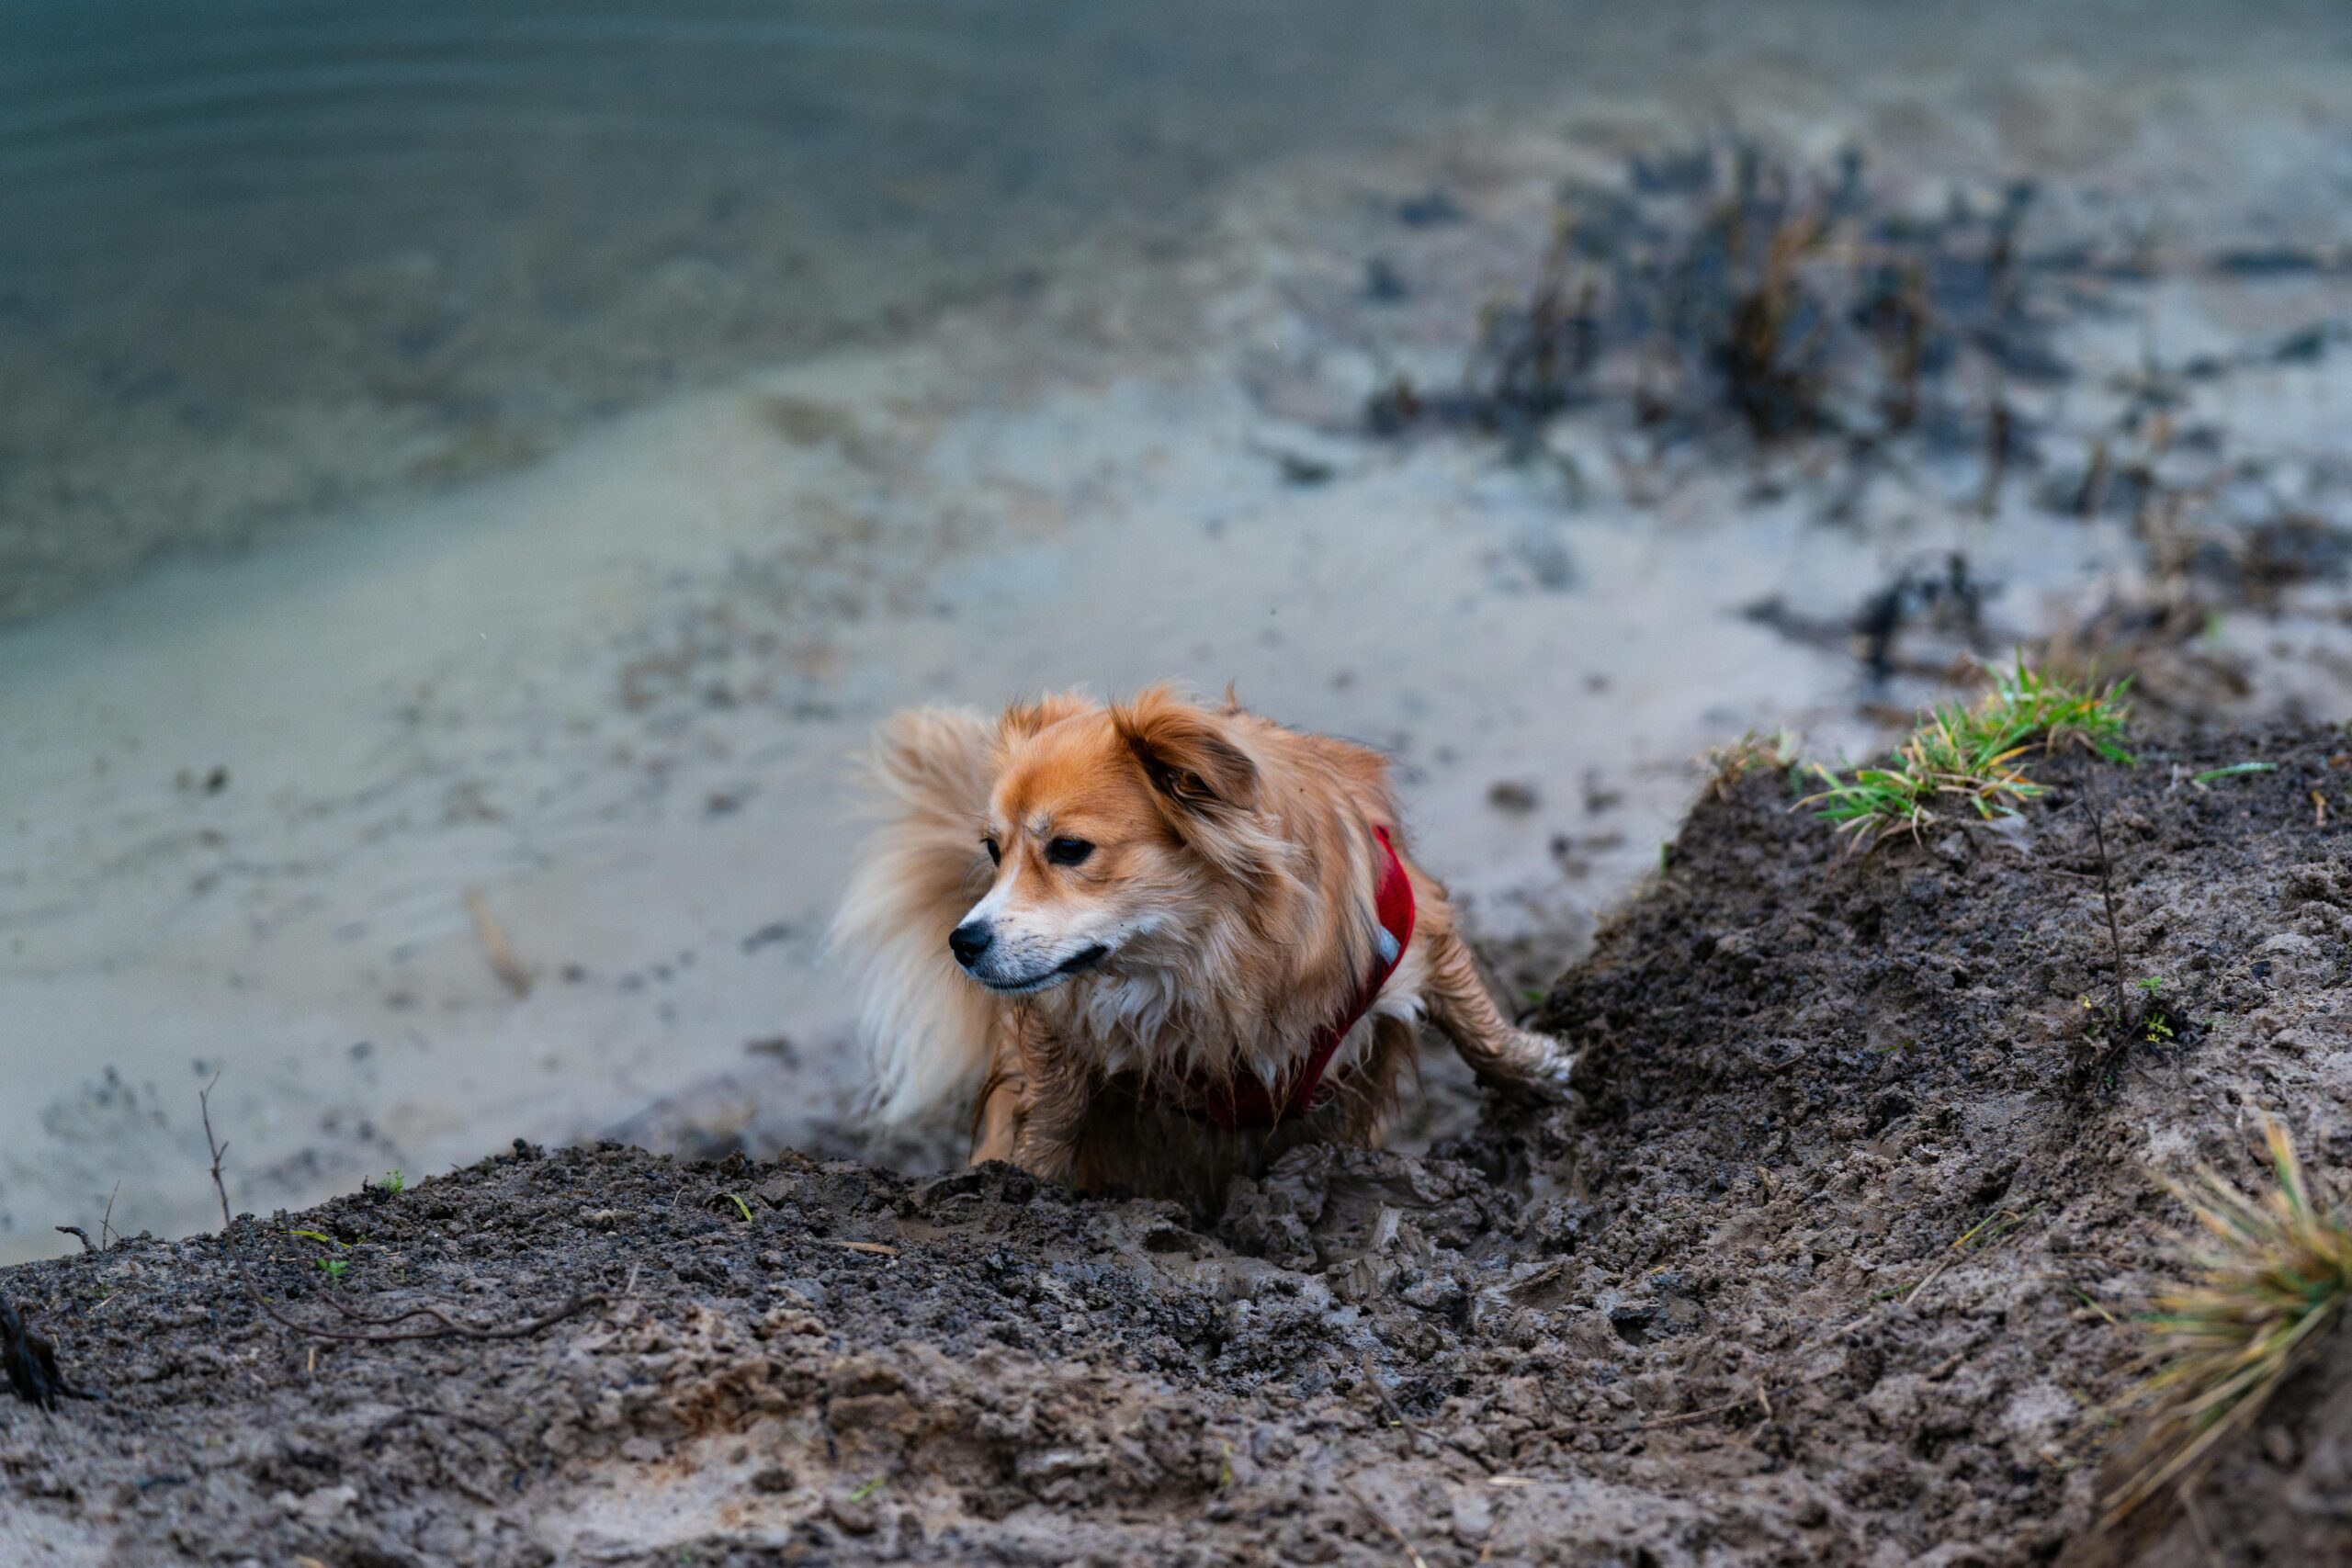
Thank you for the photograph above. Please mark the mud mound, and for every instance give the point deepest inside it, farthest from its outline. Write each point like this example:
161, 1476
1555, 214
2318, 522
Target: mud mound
1826, 1268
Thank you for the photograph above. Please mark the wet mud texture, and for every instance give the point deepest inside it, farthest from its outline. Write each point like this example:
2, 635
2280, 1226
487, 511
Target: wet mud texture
1826, 1266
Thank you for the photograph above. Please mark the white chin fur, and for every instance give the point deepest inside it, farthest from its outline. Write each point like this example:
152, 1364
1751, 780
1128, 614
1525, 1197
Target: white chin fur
1045, 982
1085, 961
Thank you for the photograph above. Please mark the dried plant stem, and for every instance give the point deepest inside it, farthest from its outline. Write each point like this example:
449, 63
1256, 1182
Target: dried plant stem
2107, 894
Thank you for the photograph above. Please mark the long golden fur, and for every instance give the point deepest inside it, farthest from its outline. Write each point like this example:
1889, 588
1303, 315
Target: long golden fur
1145, 898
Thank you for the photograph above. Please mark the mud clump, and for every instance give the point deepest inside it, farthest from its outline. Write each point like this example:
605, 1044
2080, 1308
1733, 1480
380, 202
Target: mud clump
29, 1363
1833, 1263
1718, 282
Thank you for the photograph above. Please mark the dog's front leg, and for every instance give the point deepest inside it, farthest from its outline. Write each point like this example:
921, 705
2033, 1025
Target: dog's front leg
1057, 1094
1001, 1108
1498, 1051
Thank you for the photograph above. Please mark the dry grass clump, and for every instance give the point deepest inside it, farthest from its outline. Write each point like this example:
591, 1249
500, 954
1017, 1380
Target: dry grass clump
2273, 1274
1727, 765
1973, 755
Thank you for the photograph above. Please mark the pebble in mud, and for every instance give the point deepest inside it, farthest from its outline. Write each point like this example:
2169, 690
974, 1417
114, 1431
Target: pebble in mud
1513, 797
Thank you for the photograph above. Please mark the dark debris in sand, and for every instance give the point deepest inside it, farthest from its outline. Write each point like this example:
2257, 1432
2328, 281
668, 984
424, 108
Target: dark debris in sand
1718, 283
1827, 1268
28, 1362
1722, 302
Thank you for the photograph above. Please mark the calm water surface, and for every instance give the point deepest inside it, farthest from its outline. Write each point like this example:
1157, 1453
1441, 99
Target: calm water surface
266, 256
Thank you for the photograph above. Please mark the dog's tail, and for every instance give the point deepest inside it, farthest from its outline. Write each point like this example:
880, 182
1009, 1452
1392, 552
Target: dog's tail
926, 1028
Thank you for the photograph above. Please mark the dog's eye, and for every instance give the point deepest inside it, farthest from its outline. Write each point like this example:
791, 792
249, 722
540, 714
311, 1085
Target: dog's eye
996, 850
1069, 852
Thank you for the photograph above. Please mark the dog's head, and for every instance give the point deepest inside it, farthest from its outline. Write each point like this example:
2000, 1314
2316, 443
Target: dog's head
1111, 830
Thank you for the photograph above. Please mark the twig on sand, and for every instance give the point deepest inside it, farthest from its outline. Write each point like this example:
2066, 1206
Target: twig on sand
1387, 1401
374, 1330
1932, 1276
2101, 1049
1761, 1399
2107, 895
1660, 1423
1991, 1228
2197, 1528
106, 1226
1413, 1433
1384, 1522
509, 969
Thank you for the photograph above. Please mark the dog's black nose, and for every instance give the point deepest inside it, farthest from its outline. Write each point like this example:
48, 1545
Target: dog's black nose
969, 941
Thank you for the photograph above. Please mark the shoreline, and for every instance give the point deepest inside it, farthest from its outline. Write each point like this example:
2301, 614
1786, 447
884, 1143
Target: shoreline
606, 696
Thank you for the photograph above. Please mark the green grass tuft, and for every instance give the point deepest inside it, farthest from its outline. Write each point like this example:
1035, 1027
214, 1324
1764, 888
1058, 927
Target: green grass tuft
2275, 1272
1972, 756
2235, 769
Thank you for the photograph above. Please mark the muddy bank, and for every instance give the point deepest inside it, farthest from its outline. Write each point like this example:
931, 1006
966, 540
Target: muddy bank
1826, 1266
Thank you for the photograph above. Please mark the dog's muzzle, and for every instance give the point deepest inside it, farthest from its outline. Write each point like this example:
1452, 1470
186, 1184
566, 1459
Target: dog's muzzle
974, 942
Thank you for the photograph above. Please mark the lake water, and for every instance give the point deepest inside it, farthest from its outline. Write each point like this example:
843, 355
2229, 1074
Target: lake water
269, 257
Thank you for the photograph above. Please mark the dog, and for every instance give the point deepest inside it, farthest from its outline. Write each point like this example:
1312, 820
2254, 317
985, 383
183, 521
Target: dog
1154, 943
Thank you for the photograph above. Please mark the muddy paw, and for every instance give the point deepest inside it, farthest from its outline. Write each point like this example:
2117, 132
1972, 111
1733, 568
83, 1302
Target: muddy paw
1557, 1078
1547, 1073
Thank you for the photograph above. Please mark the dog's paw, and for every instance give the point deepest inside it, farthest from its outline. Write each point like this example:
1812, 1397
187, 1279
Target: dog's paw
1546, 1070
1555, 1079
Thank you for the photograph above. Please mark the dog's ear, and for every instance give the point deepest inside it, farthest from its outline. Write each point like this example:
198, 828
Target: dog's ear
1023, 721
1188, 753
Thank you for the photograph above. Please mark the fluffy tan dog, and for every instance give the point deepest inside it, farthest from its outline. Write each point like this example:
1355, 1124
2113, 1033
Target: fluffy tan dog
1154, 943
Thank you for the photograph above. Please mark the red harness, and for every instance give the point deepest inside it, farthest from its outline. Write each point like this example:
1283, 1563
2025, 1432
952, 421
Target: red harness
1248, 1103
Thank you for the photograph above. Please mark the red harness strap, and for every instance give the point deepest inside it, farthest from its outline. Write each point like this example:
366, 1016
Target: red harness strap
1248, 1103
